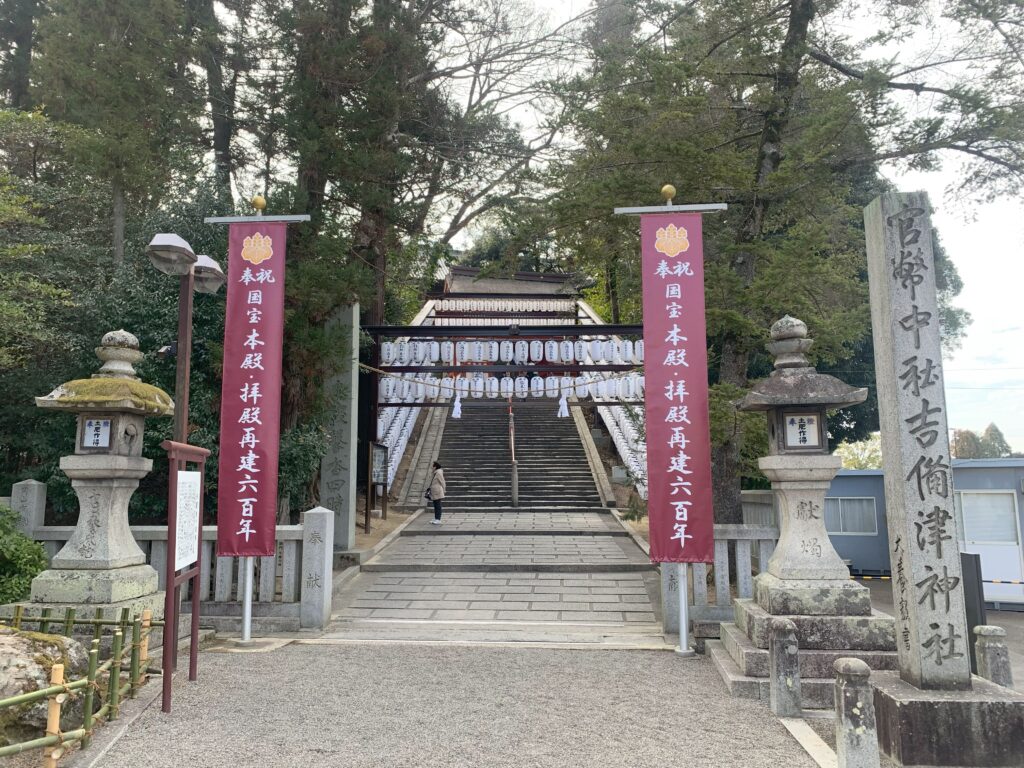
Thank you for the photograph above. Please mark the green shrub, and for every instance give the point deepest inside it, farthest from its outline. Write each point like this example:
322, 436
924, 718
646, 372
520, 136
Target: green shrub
21, 559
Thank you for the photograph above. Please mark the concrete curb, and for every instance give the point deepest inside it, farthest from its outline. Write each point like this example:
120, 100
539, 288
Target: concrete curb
811, 742
340, 580
604, 486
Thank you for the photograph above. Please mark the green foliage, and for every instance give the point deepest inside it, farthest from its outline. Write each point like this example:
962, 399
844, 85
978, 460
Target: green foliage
990, 444
21, 559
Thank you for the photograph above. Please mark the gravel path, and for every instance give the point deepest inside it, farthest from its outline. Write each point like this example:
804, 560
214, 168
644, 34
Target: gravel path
426, 706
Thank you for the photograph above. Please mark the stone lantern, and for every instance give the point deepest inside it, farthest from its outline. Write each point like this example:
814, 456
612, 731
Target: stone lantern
101, 565
805, 574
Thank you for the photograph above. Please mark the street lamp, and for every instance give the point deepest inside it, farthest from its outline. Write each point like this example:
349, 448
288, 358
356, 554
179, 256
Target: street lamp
172, 255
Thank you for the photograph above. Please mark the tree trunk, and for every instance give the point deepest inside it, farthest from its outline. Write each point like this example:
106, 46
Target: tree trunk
117, 191
611, 284
19, 62
735, 354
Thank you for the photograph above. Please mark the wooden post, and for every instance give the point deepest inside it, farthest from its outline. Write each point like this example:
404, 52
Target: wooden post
143, 655
69, 621
44, 621
97, 628
50, 754
115, 676
136, 646
90, 690
19, 611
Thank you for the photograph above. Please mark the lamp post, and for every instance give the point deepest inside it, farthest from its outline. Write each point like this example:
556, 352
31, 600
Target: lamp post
172, 255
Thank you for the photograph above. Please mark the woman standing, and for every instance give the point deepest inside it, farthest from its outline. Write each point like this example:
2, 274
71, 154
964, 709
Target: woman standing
437, 488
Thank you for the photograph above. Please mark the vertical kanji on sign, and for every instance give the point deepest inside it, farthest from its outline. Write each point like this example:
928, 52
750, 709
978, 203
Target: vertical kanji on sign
251, 392
676, 389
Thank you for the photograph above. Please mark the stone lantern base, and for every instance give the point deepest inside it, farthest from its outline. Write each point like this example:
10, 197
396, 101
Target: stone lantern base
95, 587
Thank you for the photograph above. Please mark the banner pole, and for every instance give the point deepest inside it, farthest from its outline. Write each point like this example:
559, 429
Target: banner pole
247, 569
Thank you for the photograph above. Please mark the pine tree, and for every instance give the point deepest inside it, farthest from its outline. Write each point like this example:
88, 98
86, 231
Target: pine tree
119, 69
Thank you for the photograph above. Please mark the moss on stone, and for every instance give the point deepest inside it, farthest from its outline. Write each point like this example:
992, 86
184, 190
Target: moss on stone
106, 393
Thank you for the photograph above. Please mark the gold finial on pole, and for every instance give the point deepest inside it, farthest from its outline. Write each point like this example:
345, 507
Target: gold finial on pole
259, 203
668, 192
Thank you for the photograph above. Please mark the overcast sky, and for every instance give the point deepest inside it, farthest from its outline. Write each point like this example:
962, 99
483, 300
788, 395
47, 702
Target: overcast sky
985, 377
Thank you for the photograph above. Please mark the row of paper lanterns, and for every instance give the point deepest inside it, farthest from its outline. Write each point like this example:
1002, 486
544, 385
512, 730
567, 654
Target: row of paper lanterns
496, 322
505, 305
615, 351
404, 389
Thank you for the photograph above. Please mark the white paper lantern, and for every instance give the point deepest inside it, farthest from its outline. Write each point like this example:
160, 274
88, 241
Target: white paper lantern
566, 384
522, 386
579, 350
416, 352
597, 350
536, 351
627, 388
447, 352
507, 352
403, 352
382, 429
493, 348
638, 352
537, 386
551, 351
387, 352
434, 351
491, 387
506, 386
478, 350
609, 350
387, 387
609, 389
551, 386
461, 386
627, 351
476, 387
595, 389
461, 352
640, 386
580, 385
419, 390
566, 351
522, 352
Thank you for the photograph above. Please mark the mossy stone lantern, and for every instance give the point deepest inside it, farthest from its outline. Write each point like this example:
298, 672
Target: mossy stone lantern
102, 564
805, 574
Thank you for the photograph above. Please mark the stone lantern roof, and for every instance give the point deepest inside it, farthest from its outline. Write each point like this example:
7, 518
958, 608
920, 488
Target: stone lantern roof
115, 387
795, 382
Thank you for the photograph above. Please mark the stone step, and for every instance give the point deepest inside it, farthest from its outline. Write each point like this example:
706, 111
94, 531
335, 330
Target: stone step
876, 632
753, 662
816, 693
371, 567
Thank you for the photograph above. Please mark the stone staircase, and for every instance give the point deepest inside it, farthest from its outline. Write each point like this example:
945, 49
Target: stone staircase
559, 568
477, 459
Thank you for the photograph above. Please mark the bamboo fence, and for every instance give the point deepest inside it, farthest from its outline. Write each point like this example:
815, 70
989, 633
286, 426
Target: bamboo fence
102, 702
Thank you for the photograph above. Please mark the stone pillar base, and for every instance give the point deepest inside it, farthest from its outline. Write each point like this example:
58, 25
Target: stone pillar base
80, 588
982, 727
836, 597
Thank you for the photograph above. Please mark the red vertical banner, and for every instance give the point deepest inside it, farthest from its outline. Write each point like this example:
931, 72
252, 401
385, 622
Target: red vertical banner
250, 411
676, 389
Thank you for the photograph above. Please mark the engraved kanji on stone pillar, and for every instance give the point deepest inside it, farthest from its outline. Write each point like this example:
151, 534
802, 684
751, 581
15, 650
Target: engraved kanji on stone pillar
932, 636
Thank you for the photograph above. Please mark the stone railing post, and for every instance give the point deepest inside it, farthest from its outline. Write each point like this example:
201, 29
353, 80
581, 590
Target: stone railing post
670, 598
28, 499
784, 669
316, 586
856, 734
993, 655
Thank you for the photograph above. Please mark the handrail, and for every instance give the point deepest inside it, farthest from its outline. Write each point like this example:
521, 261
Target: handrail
511, 431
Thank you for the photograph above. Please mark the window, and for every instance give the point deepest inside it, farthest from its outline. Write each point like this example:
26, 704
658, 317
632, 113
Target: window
853, 516
988, 517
